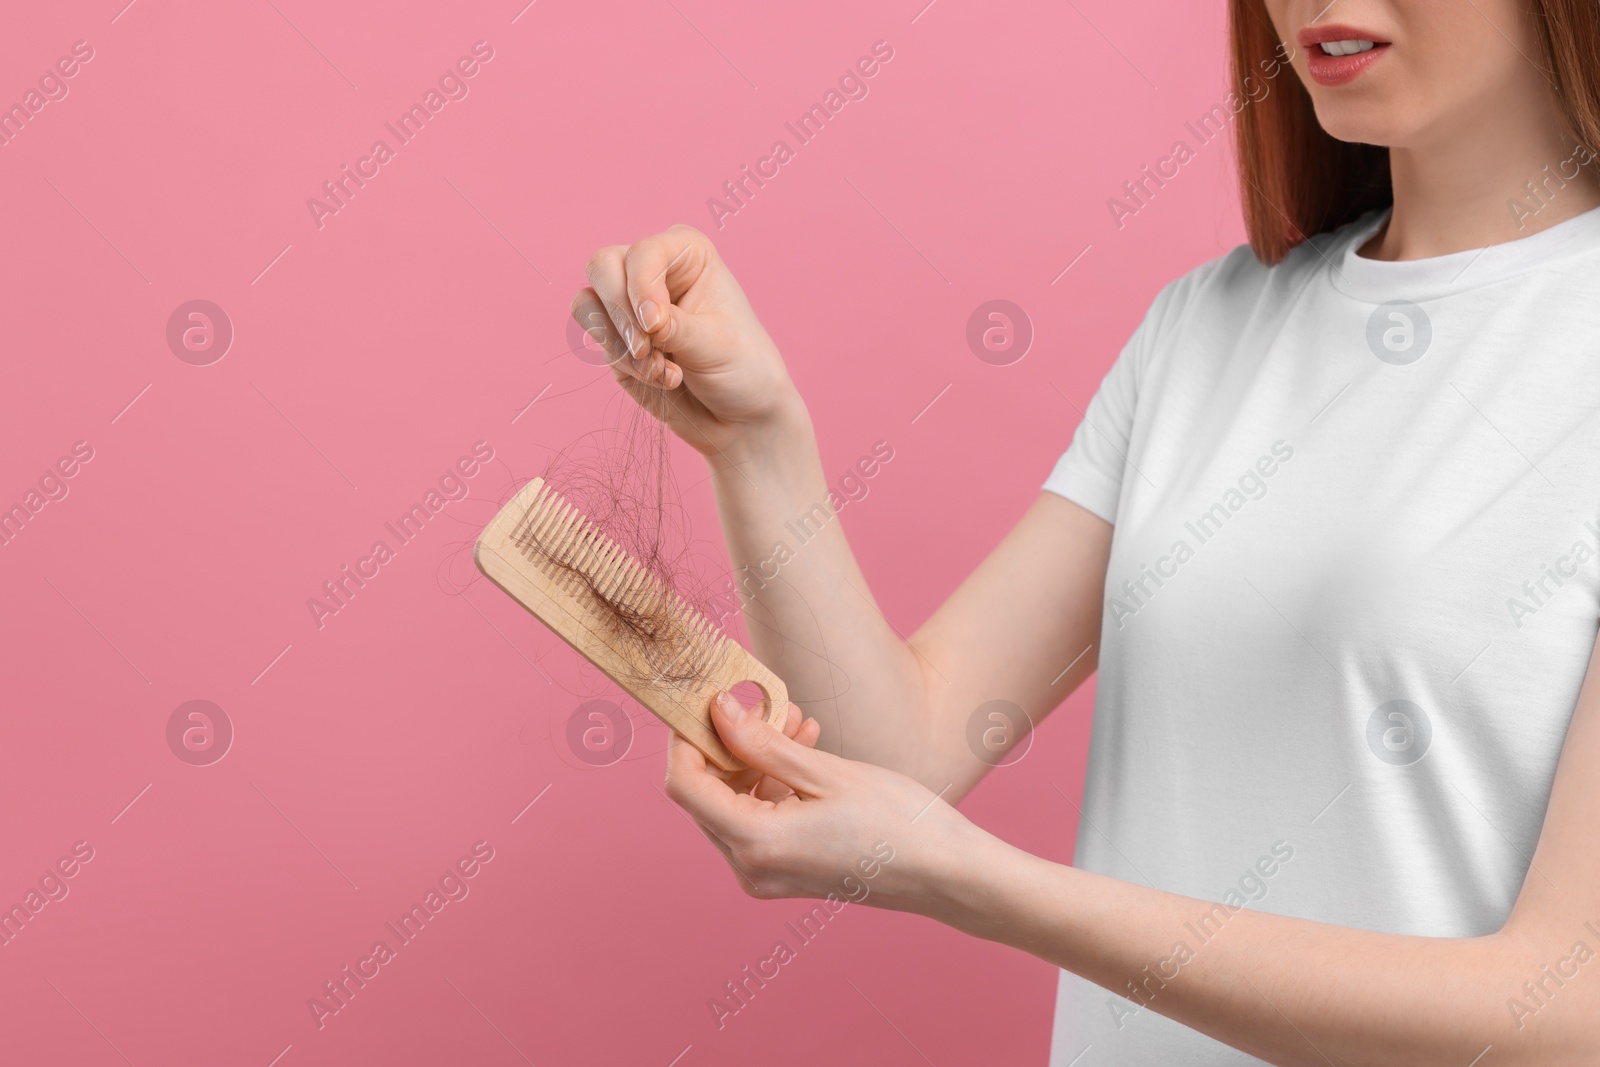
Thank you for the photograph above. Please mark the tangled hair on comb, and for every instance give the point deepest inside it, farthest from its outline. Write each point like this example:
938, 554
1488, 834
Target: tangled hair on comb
619, 478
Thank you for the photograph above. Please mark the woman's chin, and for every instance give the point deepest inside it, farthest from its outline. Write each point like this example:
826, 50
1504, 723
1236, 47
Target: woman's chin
1363, 124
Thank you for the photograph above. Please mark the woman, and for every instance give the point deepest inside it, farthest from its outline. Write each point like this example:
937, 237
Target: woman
1328, 532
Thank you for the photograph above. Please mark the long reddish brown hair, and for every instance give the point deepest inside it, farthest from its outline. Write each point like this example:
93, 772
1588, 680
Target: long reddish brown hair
1296, 180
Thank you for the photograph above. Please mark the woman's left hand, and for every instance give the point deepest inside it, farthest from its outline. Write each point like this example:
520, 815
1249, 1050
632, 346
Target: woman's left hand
851, 830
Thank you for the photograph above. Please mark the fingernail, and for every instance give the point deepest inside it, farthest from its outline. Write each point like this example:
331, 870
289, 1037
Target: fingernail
731, 708
647, 314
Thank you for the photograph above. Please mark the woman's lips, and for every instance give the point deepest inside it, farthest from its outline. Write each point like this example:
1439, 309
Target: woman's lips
1338, 70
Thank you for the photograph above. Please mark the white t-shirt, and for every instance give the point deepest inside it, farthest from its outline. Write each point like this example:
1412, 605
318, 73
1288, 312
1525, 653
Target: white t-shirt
1353, 589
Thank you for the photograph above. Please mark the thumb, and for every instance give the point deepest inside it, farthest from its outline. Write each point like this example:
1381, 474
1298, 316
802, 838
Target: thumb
765, 747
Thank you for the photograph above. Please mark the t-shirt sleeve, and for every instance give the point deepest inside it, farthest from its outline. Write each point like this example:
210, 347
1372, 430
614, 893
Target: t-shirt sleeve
1090, 472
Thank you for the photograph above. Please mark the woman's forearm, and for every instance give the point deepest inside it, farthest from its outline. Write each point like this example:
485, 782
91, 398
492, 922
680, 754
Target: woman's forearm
1289, 991
1019, 634
810, 615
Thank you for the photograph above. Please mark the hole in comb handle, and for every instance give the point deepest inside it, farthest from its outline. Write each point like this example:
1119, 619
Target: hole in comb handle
752, 694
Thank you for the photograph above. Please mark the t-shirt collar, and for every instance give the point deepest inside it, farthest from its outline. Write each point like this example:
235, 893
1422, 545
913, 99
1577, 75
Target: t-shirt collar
1423, 279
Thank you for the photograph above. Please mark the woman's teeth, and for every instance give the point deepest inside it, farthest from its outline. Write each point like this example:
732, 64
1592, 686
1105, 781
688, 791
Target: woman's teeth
1345, 48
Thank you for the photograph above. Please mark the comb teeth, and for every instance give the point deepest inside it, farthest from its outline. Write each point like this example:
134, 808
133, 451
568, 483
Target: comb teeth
540, 516
629, 583
575, 555
585, 544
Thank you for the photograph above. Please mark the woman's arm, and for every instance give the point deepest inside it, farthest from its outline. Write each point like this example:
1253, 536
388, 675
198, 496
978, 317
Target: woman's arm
1023, 628
1289, 991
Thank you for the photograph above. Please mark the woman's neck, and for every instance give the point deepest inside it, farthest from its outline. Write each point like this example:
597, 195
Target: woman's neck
1497, 178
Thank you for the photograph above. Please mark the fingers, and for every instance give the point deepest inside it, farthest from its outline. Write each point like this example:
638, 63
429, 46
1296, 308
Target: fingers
749, 780
764, 788
664, 267
810, 733
708, 799
659, 271
770, 789
638, 289
608, 279
769, 751
799, 728
694, 759
591, 313
803, 731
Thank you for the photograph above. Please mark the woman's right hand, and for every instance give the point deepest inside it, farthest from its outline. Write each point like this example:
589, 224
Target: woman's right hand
684, 341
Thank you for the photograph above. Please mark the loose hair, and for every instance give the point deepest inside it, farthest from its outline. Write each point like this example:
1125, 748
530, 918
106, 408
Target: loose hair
1296, 179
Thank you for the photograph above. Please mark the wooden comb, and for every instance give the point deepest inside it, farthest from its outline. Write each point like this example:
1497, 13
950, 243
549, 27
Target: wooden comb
543, 552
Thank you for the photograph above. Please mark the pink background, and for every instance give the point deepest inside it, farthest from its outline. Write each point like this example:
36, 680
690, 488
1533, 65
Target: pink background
373, 352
